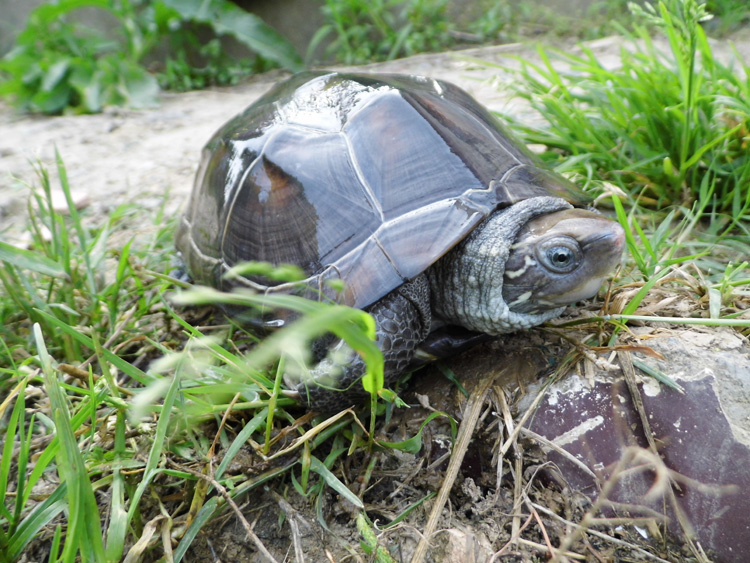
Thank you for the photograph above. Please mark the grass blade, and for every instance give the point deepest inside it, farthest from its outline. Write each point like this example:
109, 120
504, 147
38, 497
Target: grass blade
333, 482
84, 526
157, 448
37, 519
126, 367
28, 260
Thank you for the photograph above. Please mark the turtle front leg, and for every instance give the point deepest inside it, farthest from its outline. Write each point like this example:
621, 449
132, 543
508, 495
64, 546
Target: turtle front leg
402, 320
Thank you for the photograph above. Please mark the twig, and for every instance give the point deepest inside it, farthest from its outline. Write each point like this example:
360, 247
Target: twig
513, 539
557, 553
635, 395
315, 430
292, 516
230, 501
563, 452
217, 436
520, 424
465, 431
518, 472
607, 487
542, 527
598, 534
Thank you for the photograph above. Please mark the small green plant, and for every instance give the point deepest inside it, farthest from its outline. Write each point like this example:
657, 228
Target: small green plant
731, 15
182, 73
493, 21
58, 65
90, 329
71, 276
365, 31
666, 125
174, 18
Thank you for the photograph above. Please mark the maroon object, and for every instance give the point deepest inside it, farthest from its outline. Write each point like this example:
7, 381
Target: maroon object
702, 434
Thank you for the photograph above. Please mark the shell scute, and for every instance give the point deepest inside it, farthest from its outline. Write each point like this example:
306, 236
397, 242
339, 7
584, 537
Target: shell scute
404, 162
369, 179
303, 207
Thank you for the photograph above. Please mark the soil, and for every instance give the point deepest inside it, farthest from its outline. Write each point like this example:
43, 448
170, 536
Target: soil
147, 159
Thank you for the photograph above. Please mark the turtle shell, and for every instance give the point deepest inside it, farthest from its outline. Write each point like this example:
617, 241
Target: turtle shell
366, 178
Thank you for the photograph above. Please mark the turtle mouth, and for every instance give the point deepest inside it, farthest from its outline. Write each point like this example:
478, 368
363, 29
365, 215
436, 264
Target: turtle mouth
586, 290
615, 239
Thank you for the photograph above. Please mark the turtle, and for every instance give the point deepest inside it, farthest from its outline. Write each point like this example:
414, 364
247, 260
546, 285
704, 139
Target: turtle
438, 221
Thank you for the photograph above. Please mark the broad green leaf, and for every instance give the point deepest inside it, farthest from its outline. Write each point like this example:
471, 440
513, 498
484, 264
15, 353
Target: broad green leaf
141, 88
247, 28
55, 74
52, 11
52, 101
88, 84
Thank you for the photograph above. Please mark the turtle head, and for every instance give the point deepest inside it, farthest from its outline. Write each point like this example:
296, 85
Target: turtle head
560, 258
523, 265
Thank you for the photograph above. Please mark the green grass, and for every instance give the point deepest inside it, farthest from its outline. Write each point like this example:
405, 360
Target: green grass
135, 391
360, 32
670, 126
109, 391
60, 65
667, 129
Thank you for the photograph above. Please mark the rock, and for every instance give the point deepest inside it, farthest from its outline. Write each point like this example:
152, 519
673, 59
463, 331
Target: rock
459, 545
702, 434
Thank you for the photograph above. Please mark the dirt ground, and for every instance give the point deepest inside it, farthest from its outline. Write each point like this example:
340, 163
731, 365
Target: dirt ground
128, 156
147, 158
144, 156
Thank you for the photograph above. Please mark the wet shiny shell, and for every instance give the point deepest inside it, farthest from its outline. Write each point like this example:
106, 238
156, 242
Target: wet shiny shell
368, 178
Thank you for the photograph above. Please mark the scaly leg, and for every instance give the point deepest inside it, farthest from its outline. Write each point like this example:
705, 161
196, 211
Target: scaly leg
403, 321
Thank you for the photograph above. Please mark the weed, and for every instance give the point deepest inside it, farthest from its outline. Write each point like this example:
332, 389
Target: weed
671, 127
225, 18
66, 263
59, 65
71, 301
494, 20
382, 30
218, 68
80, 325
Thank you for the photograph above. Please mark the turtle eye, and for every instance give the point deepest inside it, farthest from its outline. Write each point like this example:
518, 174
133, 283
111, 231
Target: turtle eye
560, 254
